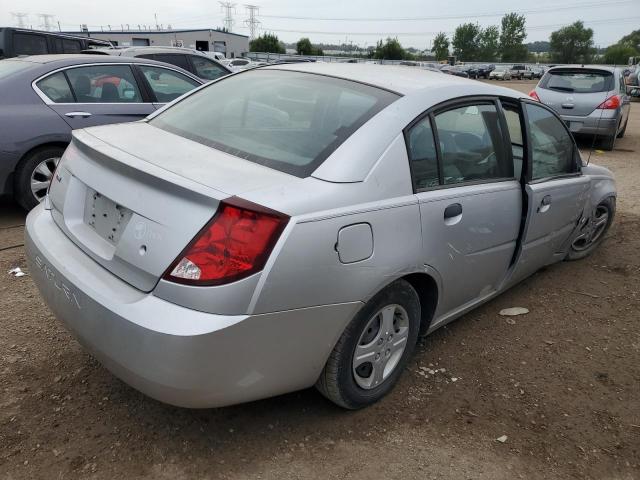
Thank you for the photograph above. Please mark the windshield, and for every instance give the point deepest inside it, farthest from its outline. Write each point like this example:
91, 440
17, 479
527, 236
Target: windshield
9, 67
286, 120
581, 81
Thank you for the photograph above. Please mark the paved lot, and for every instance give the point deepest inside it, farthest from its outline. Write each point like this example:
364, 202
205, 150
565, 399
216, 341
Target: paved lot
562, 383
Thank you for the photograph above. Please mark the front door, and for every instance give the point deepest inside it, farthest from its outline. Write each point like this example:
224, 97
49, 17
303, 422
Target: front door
556, 191
92, 95
470, 200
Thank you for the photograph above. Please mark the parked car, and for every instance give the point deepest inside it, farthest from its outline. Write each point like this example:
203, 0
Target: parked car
194, 61
299, 224
239, 64
537, 72
485, 70
15, 42
471, 70
521, 72
501, 72
632, 82
454, 70
591, 100
44, 97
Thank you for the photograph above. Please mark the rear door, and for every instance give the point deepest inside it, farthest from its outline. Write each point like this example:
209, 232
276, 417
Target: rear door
555, 189
470, 200
96, 94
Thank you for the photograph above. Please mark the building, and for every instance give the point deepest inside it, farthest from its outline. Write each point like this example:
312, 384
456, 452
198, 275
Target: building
206, 39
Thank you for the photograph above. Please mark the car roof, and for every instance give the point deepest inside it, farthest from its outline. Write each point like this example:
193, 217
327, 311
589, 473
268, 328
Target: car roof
402, 80
144, 49
70, 59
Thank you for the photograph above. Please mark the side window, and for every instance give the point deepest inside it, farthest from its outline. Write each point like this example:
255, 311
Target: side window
172, 59
56, 88
104, 84
552, 148
422, 155
514, 127
167, 85
208, 69
29, 44
469, 139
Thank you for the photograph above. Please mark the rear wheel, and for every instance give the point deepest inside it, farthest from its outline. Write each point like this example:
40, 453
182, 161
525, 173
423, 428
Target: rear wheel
624, 129
33, 175
608, 143
593, 230
374, 348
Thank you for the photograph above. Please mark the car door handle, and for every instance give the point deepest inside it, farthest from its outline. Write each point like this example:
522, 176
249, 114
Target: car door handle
453, 210
77, 114
545, 204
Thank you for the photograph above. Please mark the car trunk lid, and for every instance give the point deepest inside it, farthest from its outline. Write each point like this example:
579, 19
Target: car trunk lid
134, 208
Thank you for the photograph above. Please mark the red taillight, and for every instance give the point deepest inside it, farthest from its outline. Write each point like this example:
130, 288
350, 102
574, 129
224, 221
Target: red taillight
611, 103
534, 95
234, 244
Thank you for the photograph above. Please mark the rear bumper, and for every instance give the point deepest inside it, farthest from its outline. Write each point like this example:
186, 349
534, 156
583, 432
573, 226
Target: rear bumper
593, 124
171, 353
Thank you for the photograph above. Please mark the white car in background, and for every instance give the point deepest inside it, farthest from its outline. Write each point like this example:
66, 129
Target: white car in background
239, 64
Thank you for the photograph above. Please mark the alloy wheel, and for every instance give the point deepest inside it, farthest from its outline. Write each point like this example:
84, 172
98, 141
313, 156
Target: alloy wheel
592, 230
380, 346
41, 177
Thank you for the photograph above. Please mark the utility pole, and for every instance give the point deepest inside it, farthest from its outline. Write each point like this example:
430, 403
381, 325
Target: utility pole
20, 18
252, 22
156, 17
47, 21
227, 8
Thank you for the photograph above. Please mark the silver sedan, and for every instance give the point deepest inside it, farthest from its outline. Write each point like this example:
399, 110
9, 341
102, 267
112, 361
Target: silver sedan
302, 225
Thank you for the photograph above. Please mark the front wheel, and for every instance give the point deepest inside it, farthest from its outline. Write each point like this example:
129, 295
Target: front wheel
373, 350
593, 230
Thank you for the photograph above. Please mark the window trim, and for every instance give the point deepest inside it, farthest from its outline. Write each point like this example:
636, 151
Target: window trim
147, 100
575, 152
452, 104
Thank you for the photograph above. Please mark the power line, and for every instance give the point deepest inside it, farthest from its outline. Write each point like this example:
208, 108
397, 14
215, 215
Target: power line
227, 8
252, 22
456, 17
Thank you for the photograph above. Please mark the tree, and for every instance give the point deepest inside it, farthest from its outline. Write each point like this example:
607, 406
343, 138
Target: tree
441, 46
465, 42
488, 43
618, 54
572, 44
304, 47
512, 36
389, 50
267, 42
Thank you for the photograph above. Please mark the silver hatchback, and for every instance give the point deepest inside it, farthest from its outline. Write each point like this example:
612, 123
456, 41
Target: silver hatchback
592, 100
301, 225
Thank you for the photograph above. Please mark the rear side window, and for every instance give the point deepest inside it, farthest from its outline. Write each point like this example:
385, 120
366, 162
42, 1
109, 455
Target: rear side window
552, 149
578, 81
29, 44
422, 155
470, 140
56, 88
104, 84
289, 121
167, 85
207, 69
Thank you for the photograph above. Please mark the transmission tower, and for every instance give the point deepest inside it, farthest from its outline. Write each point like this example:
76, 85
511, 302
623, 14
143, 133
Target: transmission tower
47, 21
252, 22
228, 8
20, 18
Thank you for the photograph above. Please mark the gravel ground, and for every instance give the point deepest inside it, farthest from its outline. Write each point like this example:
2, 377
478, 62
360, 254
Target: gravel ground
561, 383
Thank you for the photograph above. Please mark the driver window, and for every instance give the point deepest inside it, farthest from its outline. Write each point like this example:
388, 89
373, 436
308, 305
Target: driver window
470, 140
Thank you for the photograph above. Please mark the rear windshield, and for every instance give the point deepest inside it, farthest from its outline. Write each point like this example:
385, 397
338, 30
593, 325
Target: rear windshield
578, 81
289, 121
9, 67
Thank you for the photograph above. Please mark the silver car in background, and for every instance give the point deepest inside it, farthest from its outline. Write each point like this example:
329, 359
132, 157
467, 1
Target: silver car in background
592, 100
501, 72
300, 225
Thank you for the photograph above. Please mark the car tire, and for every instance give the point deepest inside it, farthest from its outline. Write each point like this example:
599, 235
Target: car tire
33, 171
609, 143
624, 129
593, 232
354, 383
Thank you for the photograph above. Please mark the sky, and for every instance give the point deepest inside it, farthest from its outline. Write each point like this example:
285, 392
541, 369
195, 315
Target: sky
414, 22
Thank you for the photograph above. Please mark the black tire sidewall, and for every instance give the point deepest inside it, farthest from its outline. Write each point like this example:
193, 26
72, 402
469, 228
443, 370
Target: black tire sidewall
403, 294
22, 183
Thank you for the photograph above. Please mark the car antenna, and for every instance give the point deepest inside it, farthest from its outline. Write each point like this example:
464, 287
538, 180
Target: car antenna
595, 135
